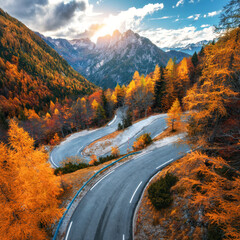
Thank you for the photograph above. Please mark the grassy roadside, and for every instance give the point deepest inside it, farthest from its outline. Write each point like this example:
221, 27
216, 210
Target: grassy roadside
106, 140
102, 143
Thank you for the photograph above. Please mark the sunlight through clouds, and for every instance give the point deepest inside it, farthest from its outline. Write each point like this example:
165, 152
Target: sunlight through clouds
71, 19
129, 19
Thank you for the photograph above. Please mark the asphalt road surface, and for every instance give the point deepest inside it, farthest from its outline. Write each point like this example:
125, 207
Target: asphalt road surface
106, 211
154, 128
74, 145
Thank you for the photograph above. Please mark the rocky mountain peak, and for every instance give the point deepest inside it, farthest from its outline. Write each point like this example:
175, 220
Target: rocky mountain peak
82, 43
114, 59
117, 38
103, 42
129, 33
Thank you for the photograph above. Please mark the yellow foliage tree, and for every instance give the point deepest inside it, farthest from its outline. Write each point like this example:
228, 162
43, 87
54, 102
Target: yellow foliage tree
174, 115
48, 116
52, 106
210, 99
115, 151
95, 104
93, 159
142, 141
139, 144
55, 140
28, 188
56, 111
170, 75
183, 81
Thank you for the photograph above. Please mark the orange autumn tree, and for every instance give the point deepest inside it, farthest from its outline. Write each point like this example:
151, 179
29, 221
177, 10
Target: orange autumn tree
170, 75
55, 140
115, 151
174, 116
213, 101
28, 188
93, 159
183, 80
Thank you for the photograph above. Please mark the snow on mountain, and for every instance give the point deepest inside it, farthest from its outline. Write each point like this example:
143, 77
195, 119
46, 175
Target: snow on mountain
113, 59
82, 44
190, 48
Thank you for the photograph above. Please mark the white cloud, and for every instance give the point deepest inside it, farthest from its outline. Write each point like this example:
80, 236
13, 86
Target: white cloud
78, 18
180, 2
53, 17
160, 18
212, 14
195, 16
129, 19
99, 1
168, 38
205, 25
192, 1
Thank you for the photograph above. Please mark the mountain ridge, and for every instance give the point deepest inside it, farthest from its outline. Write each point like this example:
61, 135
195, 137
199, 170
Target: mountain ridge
189, 48
113, 59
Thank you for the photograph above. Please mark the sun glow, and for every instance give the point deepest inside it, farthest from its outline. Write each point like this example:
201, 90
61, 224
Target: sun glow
129, 19
107, 29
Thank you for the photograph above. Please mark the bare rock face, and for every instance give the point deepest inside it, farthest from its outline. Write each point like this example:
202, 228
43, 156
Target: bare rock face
113, 59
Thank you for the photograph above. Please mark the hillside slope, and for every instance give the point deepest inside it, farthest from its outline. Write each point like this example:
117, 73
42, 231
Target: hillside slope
32, 73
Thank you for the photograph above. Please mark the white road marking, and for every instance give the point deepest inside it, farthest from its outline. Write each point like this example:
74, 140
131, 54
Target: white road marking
165, 163
68, 230
112, 120
53, 162
101, 180
135, 192
79, 149
123, 237
140, 155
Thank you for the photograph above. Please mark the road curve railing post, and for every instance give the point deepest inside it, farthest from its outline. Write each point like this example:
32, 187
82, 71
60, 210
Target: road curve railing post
84, 185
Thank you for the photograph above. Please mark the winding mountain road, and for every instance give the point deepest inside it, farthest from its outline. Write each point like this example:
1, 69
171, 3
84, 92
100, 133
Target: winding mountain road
153, 125
106, 211
74, 144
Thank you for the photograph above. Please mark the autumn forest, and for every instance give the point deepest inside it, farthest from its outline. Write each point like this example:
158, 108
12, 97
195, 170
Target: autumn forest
43, 100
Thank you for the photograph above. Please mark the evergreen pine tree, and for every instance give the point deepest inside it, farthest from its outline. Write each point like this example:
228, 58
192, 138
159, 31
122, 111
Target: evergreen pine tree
159, 89
195, 59
105, 104
201, 53
100, 115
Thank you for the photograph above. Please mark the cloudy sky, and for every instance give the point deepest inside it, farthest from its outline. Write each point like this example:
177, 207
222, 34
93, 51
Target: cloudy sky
167, 23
